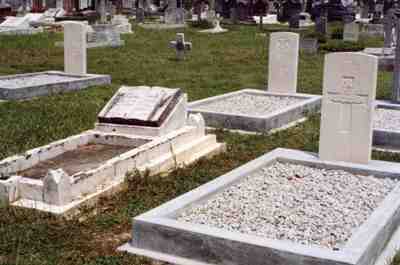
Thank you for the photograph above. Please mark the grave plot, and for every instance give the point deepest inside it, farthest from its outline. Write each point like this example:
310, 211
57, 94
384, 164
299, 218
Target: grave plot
143, 129
337, 207
387, 125
74, 77
255, 110
385, 57
260, 111
25, 86
286, 207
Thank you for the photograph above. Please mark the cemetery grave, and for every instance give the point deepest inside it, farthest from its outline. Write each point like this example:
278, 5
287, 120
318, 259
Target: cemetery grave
387, 125
141, 128
93, 240
19, 26
75, 77
255, 110
262, 111
290, 206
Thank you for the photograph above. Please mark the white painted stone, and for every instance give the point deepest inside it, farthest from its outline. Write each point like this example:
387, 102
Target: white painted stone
196, 120
57, 188
16, 22
75, 48
9, 190
283, 62
351, 32
347, 107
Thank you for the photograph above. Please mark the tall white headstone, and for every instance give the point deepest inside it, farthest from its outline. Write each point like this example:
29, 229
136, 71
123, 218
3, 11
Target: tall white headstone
75, 48
283, 62
347, 107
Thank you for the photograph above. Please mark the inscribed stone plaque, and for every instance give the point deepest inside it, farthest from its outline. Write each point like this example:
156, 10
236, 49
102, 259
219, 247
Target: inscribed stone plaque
75, 48
143, 106
347, 107
283, 61
351, 32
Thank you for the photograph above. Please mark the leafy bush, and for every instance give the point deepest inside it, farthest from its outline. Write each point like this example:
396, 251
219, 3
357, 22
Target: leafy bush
342, 46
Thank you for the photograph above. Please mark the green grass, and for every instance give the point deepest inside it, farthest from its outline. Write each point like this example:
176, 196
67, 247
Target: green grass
217, 64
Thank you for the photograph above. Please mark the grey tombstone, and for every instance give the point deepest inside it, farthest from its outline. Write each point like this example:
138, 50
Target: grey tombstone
351, 32
173, 14
309, 45
103, 12
348, 102
234, 15
396, 70
181, 46
389, 25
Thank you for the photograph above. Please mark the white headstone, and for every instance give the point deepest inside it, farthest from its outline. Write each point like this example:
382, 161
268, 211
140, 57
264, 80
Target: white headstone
351, 32
283, 62
347, 107
75, 48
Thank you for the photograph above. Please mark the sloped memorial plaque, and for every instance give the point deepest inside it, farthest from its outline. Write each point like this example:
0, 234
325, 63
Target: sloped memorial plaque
142, 106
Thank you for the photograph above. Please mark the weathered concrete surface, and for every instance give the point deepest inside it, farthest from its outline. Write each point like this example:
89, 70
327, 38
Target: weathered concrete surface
383, 138
27, 91
265, 123
158, 235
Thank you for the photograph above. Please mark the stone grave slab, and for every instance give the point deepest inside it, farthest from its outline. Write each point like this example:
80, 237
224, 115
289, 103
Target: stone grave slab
16, 22
371, 30
283, 62
19, 26
203, 227
385, 57
386, 126
255, 110
66, 174
26, 86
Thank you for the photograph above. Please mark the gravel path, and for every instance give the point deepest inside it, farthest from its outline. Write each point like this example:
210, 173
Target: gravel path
35, 80
294, 202
387, 119
249, 104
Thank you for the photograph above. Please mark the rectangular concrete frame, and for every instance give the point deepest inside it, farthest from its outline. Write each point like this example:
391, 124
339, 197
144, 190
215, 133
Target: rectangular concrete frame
273, 120
383, 138
51, 88
157, 233
154, 155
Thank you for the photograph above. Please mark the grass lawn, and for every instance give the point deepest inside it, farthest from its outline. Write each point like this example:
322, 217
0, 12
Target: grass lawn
217, 64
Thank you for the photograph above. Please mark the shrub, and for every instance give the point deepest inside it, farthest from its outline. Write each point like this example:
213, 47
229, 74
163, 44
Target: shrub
342, 46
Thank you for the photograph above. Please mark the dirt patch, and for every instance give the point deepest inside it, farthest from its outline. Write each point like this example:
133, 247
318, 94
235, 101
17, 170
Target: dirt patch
81, 159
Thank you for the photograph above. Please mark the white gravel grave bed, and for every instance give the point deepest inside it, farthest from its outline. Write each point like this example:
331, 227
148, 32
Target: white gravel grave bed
249, 104
35, 80
292, 202
388, 119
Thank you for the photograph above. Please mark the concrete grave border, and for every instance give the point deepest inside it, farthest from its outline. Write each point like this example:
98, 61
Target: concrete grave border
158, 235
383, 138
51, 88
273, 120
